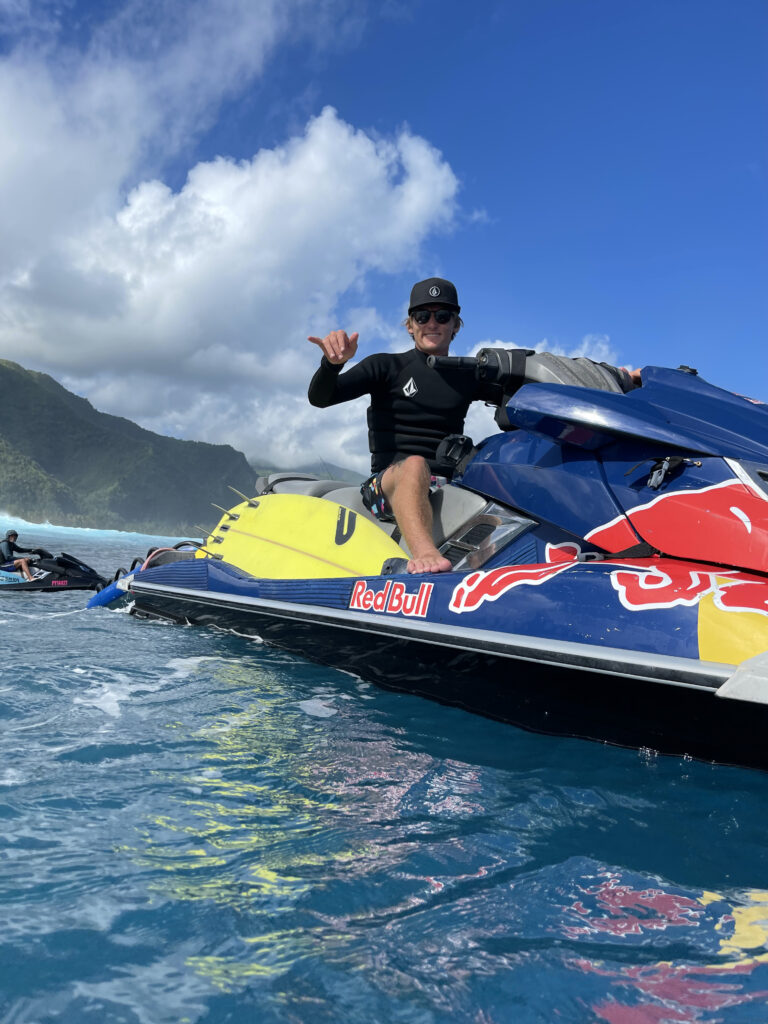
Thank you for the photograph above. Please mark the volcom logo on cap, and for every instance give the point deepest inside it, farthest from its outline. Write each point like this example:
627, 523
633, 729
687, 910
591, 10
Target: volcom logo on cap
434, 291
410, 388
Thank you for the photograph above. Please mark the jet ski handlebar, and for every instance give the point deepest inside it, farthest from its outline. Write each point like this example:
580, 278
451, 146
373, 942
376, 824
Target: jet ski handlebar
503, 366
461, 362
510, 368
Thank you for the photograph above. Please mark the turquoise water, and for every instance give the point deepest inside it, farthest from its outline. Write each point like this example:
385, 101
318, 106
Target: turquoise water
198, 828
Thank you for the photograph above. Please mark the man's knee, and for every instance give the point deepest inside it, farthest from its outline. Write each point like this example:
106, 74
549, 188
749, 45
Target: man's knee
413, 468
411, 475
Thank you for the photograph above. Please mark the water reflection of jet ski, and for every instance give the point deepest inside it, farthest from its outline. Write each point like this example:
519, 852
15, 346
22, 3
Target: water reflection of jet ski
610, 566
52, 573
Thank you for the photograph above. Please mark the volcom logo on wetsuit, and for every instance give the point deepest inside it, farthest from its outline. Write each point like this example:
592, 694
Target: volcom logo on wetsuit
410, 389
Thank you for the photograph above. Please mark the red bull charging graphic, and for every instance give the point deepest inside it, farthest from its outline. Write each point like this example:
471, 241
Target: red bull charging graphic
658, 585
479, 587
678, 584
725, 522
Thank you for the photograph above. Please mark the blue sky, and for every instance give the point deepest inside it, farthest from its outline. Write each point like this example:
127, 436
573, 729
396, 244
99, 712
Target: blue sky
185, 199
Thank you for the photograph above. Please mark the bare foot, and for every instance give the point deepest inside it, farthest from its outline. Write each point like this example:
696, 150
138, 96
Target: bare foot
431, 562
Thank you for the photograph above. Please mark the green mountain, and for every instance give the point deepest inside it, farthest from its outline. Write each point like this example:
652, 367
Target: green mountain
63, 461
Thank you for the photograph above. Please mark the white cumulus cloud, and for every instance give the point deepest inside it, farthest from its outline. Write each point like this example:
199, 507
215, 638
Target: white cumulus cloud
188, 309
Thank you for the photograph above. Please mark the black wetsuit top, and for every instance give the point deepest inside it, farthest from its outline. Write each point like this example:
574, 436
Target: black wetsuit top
9, 550
413, 407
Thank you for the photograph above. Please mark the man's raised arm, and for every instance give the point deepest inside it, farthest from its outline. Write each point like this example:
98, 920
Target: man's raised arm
338, 348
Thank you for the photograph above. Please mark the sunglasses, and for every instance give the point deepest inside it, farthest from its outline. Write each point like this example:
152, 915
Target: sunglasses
443, 316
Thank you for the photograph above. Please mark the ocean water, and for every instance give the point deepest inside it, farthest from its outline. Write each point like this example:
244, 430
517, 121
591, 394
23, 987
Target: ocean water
196, 827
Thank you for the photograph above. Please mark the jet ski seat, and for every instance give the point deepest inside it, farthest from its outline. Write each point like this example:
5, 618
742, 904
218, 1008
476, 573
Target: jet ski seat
297, 483
340, 491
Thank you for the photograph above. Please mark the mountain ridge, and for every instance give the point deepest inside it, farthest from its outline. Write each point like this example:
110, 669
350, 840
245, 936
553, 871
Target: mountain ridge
63, 461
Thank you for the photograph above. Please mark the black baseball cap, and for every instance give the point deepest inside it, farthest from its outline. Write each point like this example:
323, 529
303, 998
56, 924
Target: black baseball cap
433, 290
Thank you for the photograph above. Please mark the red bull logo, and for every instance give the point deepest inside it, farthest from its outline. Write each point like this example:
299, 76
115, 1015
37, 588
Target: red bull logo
726, 522
568, 551
489, 586
392, 599
660, 585
731, 511
678, 584
614, 536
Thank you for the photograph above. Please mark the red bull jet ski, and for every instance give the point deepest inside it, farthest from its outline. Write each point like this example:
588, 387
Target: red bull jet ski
51, 573
610, 566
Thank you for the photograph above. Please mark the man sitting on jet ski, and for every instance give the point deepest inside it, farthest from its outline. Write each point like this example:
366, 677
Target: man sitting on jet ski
413, 407
9, 548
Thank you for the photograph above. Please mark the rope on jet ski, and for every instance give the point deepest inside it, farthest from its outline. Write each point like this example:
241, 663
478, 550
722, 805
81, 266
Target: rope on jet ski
156, 551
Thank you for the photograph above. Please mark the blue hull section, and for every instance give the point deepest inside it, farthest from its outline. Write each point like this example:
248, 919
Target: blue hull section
602, 678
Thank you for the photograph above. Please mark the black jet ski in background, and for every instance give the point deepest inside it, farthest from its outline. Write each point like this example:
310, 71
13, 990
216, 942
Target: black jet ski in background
51, 573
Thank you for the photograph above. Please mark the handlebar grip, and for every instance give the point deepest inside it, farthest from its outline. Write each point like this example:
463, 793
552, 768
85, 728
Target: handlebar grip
470, 362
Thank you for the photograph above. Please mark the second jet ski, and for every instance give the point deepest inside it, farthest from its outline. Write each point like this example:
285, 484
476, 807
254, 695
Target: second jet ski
53, 573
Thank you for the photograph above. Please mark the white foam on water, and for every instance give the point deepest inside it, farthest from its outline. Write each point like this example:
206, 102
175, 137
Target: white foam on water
33, 725
182, 668
316, 708
108, 696
90, 911
120, 609
51, 615
234, 632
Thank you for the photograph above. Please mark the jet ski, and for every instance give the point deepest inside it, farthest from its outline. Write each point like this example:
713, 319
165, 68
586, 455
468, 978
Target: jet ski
609, 560
51, 573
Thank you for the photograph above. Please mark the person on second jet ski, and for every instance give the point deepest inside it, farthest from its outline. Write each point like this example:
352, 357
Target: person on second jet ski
8, 549
413, 407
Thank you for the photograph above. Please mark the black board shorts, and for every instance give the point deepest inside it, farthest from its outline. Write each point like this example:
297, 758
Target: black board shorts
375, 500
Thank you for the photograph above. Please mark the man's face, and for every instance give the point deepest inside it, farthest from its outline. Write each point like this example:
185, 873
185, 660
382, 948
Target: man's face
432, 337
